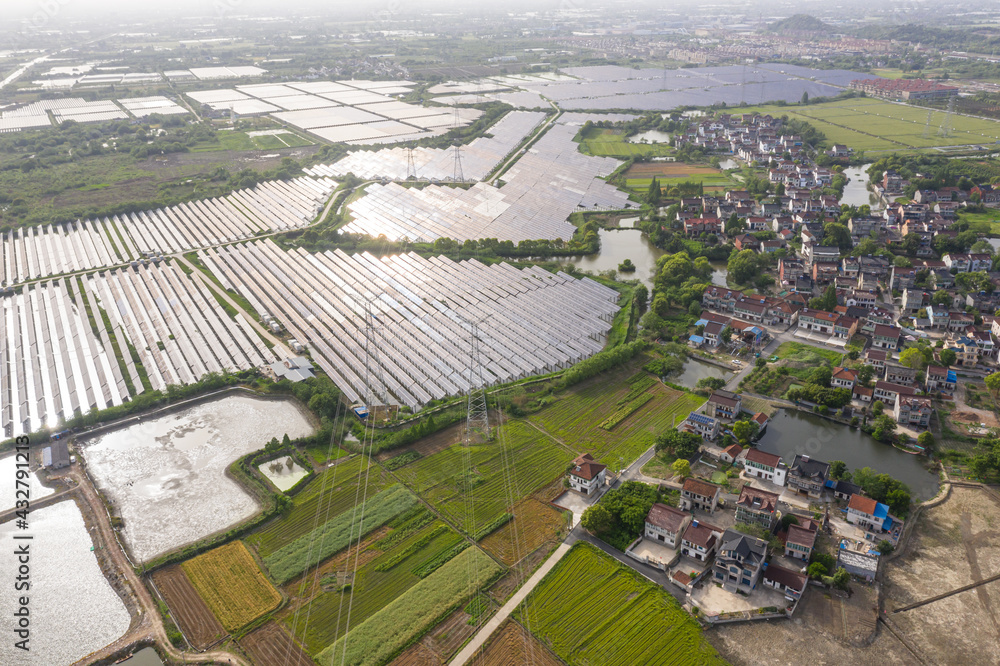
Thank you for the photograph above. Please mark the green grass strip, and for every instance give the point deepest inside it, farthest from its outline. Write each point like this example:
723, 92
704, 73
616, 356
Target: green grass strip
337, 533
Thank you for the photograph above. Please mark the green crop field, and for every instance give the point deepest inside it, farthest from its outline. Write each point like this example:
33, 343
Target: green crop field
337, 533
575, 418
592, 610
327, 495
879, 126
404, 619
373, 589
611, 143
441, 478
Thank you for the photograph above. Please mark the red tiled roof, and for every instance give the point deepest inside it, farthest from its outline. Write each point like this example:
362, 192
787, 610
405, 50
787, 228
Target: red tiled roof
699, 487
758, 456
863, 504
757, 499
761, 418
588, 470
734, 450
701, 534
801, 536
786, 577
666, 517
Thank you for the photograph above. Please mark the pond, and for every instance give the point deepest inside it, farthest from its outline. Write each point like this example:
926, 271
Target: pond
719, 272
282, 472
728, 163
616, 247
793, 432
167, 476
8, 467
695, 369
74, 610
856, 192
144, 657
650, 136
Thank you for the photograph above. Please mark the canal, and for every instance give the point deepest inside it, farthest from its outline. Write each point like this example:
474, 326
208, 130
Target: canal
792, 432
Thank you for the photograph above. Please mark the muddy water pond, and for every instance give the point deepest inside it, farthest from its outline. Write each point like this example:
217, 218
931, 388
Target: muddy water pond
695, 370
282, 472
166, 476
73, 609
616, 247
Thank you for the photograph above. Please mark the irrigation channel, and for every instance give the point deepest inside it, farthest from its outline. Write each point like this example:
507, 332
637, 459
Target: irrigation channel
791, 432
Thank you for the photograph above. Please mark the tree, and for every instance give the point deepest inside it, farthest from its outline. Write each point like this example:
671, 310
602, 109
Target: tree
885, 428
902, 262
682, 468
597, 519
734, 225
827, 302
640, 297
679, 444
694, 309
993, 384
805, 98
865, 374
745, 431
884, 547
898, 501
877, 408
912, 357
837, 235
926, 440
726, 335
743, 266
837, 469
816, 570
788, 519
841, 579
948, 356
820, 376
653, 193
941, 297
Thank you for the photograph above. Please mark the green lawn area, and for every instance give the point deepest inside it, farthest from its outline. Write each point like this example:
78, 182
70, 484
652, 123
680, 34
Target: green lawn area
611, 143
536, 460
803, 353
874, 125
592, 610
985, 223
575, 417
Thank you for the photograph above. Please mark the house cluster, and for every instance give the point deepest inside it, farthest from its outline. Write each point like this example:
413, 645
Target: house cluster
722, 410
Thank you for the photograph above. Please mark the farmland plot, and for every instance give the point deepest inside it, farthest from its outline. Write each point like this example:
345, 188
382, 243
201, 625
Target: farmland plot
514, 645
575, 418
534, 523
271, 644
379, 638
330, 493
592, 610
377, 582
189, 610
441, 478
232, 585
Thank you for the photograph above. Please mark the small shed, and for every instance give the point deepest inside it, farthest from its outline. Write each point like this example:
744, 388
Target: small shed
56, 456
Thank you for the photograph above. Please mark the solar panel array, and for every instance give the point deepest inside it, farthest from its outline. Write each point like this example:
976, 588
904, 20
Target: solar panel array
352, 112
179, 330
478, 158
614, 87
541, 189
532, 321
38, 252
52, 365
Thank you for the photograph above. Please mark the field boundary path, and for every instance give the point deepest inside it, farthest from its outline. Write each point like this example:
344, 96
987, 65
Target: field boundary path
148, 625
477, 642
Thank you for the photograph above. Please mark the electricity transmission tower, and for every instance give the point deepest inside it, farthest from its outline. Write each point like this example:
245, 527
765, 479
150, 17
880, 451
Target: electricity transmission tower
945, 129
457, 176
411, 166
927, 125
477, 421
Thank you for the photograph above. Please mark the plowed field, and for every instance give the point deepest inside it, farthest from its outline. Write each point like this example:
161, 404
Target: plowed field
188, 609
271, 645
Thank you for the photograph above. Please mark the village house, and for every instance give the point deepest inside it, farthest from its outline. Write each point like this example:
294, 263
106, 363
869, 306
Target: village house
844, 490
808, 476
940, 379
790, 583
587, 476
665, 524
756, 507
724, 405
705, 427
869, 515
887, 392
885, 337
876, 358
900, 374
799, 542
765, 466
913, 411
842, 377
699, 540
739, 561
731, 453
700, 495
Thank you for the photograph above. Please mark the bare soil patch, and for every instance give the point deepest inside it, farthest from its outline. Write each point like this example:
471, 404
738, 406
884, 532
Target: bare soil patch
271, 644
510, 581
191, 613
429, 445
668, 170
534, 523
514, 645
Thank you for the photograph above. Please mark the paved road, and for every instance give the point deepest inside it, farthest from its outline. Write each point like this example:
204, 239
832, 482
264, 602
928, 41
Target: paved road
473, 646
